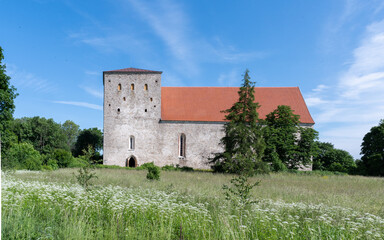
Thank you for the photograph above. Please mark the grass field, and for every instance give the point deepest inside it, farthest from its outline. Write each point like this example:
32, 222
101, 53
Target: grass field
183, 205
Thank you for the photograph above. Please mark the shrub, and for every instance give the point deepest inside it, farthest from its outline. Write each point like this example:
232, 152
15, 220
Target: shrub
63, 157
86, 173
145, 166
153, 172
169, 168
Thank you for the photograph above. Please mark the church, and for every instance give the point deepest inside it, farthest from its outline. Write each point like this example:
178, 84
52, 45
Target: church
145, 122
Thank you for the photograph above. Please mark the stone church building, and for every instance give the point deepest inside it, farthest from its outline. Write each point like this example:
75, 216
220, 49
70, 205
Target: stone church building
144, 122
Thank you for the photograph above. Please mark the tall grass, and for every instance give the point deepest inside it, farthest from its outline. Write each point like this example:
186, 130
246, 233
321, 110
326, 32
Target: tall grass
124, 205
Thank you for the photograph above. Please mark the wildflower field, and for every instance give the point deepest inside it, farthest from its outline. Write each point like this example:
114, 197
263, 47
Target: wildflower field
124, 205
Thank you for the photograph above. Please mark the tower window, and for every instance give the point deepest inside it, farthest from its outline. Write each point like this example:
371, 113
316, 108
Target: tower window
146, 87
131, 143
118, 110
132, 86
145, 110
119, 87
123, 98
182, 141
151, 99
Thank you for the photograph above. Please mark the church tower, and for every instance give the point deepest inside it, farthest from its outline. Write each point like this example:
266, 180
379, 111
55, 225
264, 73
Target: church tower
132, 111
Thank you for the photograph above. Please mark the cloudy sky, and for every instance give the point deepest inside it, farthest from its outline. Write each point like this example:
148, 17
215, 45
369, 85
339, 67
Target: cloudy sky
55, 51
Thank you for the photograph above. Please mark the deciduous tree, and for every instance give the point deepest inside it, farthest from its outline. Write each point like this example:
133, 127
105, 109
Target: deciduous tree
7, 107
329, 158
288, 144
372, 149
89, 137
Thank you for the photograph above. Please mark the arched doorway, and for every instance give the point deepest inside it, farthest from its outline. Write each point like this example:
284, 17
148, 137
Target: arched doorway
131, 162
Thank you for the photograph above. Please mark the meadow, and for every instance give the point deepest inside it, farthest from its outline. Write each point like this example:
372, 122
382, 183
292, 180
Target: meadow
123, 204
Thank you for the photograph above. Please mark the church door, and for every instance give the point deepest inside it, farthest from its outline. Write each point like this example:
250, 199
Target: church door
132, 162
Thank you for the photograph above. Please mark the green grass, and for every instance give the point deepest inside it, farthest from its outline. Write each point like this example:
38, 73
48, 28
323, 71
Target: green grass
191, 205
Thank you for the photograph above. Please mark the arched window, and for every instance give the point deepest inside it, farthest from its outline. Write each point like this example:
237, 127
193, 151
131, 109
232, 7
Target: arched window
132, 86
119, 87
182, 141
131, 143
146, 87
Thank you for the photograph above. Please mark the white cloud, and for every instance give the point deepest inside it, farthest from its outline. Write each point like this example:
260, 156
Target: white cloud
23, 79
94, 92
229, 79
356, 103
82, 104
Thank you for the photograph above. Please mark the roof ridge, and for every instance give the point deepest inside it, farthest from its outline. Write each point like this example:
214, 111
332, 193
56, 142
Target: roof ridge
132, 70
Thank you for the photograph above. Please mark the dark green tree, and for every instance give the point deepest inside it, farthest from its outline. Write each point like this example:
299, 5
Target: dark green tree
329, 158
7, 108
288, 144
372, 149
89, 137
243, 141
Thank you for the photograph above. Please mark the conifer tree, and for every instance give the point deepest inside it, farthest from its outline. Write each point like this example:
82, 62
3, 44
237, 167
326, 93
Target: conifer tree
243, 142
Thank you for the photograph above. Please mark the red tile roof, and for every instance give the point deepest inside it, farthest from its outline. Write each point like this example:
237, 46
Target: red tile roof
205, 103
132, 70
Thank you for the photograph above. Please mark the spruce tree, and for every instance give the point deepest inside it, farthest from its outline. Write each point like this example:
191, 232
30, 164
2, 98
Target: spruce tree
243, 141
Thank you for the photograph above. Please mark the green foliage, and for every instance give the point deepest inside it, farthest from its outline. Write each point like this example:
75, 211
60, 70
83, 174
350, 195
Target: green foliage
287, 143
243, 142
86, 173
169, 168
49, 163
372, 149
7, 108
22, 156
145, 166
71, 131
89, 137
78, 162
330, 159
62, 157
240, 191
153, 172
44, 134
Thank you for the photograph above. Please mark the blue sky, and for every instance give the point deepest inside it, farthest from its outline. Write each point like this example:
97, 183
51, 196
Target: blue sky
56, 51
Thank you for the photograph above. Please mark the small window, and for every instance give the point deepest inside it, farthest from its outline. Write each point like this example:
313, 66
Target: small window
145, 110
151, 99
146, 87
118, 110
131, 143
182, 141
123, 98
132, 86
119, 87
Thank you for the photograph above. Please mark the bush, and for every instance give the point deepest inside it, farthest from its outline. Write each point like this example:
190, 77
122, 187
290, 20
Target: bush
169, 168
145, 166
153, 172
49, 163
63, 157
23, 156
